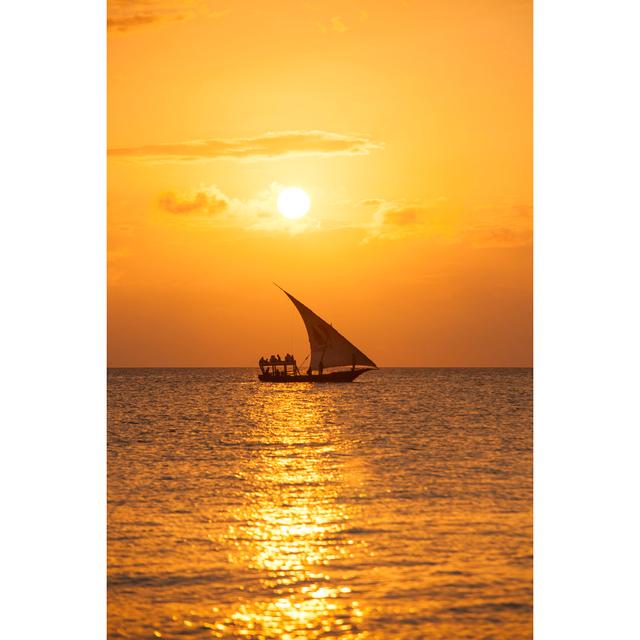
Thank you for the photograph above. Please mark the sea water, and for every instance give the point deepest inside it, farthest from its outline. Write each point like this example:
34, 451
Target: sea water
397, 506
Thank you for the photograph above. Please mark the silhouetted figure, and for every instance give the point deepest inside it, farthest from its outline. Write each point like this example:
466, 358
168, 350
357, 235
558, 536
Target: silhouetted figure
353, 361
320, 367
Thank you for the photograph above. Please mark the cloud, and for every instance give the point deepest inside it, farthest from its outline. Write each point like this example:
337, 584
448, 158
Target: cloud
208, 203
210, 207
502, 225
393, 221
338, 25
501, 237
126, 15
403, 217
267, 146
124, 23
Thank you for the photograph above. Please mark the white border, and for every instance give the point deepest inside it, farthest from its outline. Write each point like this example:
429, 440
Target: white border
586, 319
53, 320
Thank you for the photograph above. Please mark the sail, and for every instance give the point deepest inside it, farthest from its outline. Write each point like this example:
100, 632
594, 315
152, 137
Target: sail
328, 346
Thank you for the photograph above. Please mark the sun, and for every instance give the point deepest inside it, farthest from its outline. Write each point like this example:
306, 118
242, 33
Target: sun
293, 203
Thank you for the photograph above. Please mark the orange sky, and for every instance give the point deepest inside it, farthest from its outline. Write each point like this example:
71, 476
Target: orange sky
408, 123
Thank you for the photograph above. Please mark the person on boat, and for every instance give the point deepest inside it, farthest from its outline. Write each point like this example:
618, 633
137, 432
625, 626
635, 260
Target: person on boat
353, 361
272, 359
320, 367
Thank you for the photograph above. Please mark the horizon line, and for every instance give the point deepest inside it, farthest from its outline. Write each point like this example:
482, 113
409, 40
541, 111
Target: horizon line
387, 367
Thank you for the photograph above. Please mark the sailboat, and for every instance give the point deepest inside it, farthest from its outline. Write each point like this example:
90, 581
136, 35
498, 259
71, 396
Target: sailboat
329, 350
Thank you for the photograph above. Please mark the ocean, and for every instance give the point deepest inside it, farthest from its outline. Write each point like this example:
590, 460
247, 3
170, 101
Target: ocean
397, 506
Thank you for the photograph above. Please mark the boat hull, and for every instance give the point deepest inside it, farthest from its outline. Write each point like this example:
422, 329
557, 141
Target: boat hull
334, 376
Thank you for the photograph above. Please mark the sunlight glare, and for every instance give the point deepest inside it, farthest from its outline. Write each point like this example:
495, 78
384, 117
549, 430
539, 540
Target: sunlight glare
293, 203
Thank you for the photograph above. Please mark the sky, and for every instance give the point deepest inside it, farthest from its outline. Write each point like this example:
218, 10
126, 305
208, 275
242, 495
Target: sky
408, 124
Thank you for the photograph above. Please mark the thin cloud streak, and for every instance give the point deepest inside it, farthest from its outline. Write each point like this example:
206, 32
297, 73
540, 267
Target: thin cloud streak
128, 15
267, 146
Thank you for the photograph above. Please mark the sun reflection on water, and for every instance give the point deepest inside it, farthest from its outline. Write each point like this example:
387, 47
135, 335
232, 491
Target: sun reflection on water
240, 510
292, 528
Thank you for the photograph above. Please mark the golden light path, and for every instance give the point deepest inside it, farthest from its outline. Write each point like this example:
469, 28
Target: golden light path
292, 528
292, 514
